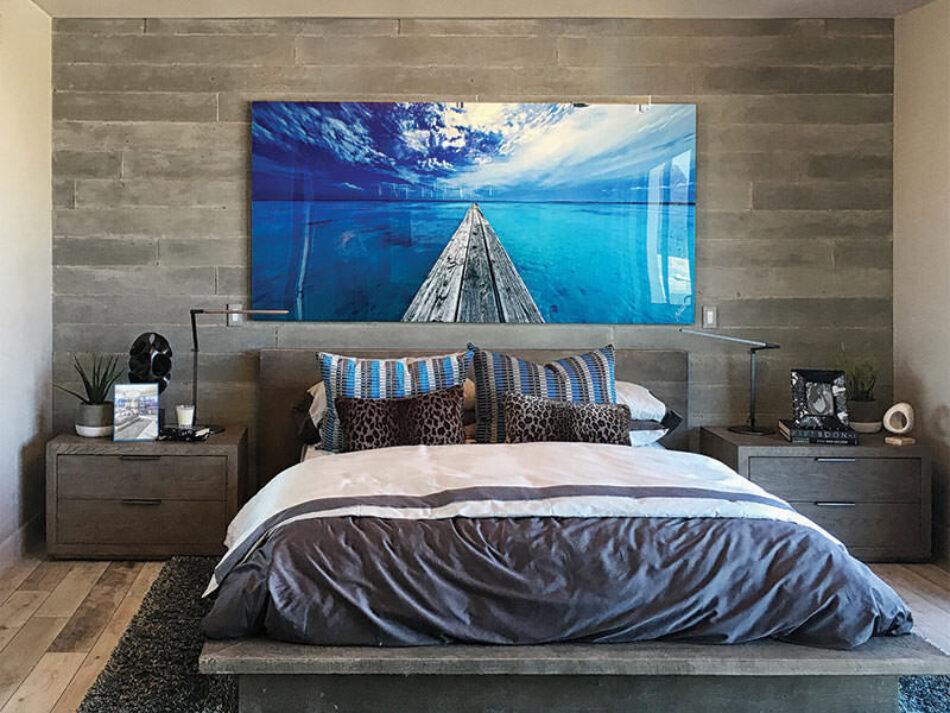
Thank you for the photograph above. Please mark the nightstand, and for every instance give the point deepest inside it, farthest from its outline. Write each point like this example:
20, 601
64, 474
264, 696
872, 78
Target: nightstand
143, 499
873, 497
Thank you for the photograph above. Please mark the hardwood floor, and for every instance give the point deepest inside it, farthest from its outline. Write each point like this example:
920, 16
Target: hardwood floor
59, 621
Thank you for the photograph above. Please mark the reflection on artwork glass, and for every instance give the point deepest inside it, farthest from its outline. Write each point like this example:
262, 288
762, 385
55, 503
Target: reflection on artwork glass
474, 212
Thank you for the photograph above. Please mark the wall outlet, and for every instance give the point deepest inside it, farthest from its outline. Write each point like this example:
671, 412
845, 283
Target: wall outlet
710, 316
235, 320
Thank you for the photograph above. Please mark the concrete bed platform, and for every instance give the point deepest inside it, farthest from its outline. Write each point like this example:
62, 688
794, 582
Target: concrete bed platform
655, 676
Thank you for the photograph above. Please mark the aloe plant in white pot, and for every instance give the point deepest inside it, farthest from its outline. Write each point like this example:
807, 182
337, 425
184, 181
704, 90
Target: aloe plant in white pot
860, 376
95, 412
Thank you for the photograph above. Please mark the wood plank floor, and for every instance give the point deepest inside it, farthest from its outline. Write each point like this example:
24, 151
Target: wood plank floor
59, 621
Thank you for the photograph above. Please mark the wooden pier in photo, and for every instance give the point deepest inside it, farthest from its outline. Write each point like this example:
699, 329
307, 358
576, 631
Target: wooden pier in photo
473, 280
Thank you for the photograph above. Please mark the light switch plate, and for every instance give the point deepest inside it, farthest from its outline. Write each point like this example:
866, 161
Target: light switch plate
710, 316
235, 320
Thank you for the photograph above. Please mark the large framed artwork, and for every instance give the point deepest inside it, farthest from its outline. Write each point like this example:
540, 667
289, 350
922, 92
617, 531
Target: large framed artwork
474, 212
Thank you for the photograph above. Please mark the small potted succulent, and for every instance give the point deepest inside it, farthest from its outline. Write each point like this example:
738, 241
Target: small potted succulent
860, 375
94, 416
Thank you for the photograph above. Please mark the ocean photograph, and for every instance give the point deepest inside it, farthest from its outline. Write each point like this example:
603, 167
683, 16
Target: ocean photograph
448, 212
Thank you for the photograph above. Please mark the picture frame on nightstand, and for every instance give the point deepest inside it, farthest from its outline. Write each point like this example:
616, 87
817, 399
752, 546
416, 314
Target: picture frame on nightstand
136, 412
819, 399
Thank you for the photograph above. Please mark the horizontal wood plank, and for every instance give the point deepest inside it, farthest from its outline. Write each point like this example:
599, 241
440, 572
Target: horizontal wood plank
46, 577
129, 523
69, 594
89, 620
16, 611
880, 656
127, 476
43, 686
882, 480
26, 648
873, 532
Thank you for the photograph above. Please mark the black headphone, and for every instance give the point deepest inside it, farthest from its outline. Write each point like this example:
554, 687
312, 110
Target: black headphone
150, 360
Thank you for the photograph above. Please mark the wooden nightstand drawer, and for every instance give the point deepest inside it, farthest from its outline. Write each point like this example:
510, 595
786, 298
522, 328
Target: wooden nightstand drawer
870, 530
142, 476
142, 521
875, 498
867, 480
143, 499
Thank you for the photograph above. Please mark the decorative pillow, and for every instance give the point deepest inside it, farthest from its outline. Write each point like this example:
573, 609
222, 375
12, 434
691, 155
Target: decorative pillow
433, 419
584, 378
383, 379
309, 411
534, 418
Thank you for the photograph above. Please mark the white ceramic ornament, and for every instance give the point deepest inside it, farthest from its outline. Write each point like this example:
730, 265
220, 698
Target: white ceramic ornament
899, 418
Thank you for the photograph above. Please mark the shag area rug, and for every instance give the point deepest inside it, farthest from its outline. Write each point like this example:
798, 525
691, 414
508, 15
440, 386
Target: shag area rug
154, 668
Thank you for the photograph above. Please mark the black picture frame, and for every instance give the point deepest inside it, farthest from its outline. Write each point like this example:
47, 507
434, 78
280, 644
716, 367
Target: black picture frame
819, 399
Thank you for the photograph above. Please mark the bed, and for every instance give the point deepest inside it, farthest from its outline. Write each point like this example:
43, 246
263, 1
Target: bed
745, 567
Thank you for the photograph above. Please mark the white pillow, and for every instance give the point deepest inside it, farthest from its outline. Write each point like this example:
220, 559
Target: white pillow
643, 405
646, 413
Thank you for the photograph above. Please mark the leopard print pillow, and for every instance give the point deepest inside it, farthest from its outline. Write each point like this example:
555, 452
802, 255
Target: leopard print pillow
533, 418
432, 419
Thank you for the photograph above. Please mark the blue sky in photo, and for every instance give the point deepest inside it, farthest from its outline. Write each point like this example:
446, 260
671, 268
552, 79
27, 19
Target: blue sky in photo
351, 151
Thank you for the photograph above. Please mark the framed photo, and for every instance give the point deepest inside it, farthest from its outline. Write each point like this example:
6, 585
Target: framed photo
136, 412
819, 399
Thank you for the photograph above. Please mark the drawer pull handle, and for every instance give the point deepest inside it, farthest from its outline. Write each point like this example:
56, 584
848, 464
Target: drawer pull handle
834, 504
128, 457
141, 501
835, 460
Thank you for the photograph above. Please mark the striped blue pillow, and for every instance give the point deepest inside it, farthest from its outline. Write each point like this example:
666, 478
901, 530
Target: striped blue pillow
383, 379
582, 378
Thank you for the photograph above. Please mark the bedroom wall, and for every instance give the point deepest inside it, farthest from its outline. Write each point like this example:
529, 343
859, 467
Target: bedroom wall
25, 271
922, 238
794, 133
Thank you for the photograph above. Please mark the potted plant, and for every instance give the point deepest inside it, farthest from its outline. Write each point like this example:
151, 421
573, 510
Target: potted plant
860, 375
94, 416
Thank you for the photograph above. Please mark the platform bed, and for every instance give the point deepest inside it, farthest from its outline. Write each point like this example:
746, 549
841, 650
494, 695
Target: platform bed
657, 677
653, 676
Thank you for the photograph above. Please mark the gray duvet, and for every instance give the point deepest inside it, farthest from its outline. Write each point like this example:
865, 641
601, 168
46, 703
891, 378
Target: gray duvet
536, 543
531, 580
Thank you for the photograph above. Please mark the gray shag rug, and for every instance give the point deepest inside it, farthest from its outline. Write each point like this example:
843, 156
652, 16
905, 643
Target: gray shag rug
154, 668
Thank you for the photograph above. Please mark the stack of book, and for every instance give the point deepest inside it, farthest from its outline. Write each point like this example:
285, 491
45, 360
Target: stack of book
840, 436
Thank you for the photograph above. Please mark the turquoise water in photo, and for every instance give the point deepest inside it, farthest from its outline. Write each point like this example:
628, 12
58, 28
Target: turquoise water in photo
582, 262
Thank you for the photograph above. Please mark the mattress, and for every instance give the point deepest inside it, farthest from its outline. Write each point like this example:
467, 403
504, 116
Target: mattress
536, 543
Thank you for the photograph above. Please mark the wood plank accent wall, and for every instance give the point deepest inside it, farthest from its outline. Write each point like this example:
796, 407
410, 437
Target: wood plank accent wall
151, 174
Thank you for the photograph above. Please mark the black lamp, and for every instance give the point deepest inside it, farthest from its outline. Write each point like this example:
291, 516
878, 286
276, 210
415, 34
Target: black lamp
194, 351
750, 428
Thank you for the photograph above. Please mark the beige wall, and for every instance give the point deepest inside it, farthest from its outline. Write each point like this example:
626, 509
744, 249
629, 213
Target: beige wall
922, 235
25, 268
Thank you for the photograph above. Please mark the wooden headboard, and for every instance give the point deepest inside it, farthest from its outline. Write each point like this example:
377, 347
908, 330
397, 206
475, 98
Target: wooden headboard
287, 373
